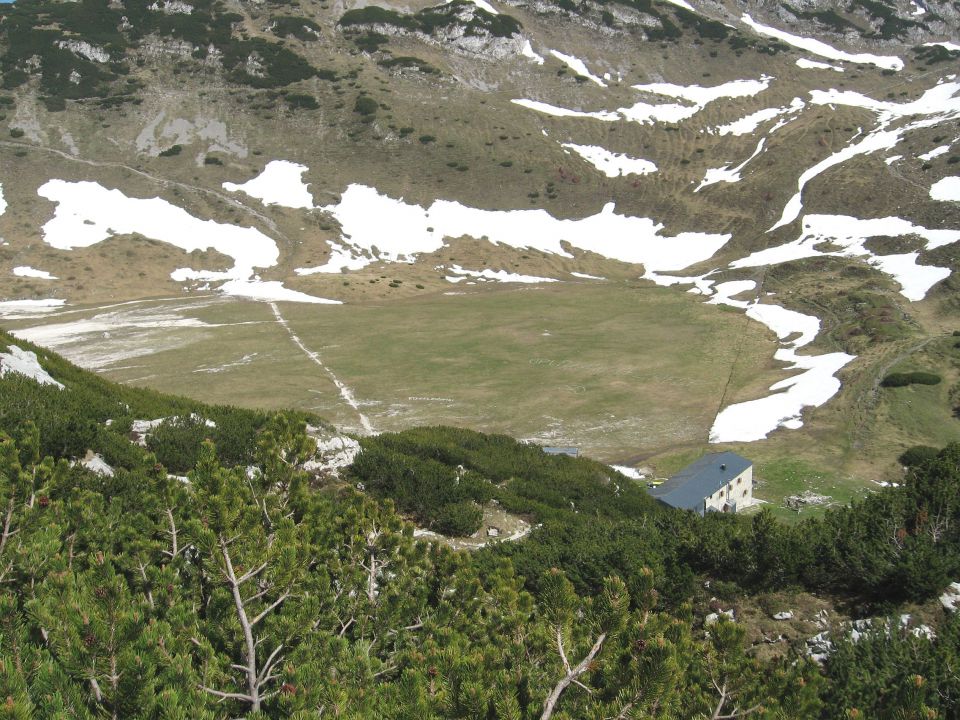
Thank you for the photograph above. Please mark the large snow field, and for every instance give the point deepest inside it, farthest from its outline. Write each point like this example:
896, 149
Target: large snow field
101, 339
400, 231
87, 213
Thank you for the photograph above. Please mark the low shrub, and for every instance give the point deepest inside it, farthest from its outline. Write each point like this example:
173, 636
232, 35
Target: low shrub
917, 455
894, 380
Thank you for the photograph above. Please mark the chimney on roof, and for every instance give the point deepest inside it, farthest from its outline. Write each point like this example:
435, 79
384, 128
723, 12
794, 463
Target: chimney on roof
723, 466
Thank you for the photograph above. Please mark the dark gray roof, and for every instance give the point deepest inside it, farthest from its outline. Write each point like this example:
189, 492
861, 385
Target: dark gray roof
699, 480
571, 451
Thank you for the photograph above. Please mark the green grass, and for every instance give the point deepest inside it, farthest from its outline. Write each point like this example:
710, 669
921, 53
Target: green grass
617, 370
782, 477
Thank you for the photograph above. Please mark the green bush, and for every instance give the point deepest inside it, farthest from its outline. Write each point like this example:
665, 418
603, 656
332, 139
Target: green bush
366, 105
171, 151
298, 27
917, 455
55, 104
301, 101
16, 133
425, 139
894, 380
370, 42
176, 442
458, 519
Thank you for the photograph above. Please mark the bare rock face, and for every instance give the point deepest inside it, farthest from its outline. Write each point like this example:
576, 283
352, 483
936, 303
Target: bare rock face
86, 50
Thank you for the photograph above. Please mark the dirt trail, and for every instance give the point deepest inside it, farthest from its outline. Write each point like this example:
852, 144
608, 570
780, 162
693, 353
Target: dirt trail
345, 392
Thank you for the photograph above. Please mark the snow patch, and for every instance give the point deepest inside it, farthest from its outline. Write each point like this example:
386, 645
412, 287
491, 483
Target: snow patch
697, 96
612, 164
806, 64
528, 52
460, 274
386, 229
936, 152
555, 111
696, 99
850, 234
755, 419
947, 189
749, 124
29, 307
270, 291
726, 173
25, 362
280, 183
483, 5
821, 48
952, 47
87, 213
578, 66
27, 271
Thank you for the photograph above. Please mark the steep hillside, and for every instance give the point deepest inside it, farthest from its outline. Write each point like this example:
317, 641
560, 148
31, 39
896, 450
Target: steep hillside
273, 585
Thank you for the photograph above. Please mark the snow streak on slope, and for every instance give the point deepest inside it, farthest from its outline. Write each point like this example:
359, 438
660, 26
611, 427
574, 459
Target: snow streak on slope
755, 419
822, 49
749, 124
3, 202
850, 234
612, 164
726, 173
528, 52
548, 109
814, 65
937, 105
460, 274
578, 66
695, 98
